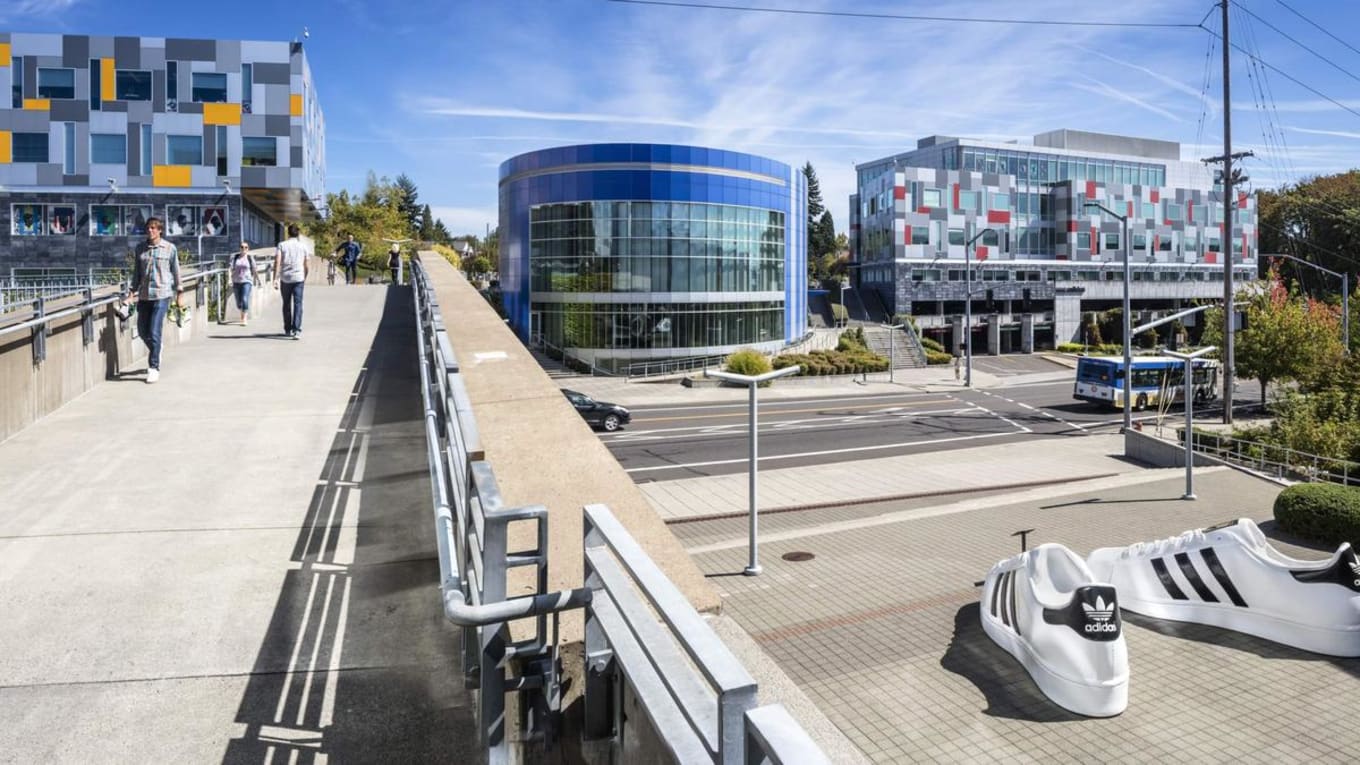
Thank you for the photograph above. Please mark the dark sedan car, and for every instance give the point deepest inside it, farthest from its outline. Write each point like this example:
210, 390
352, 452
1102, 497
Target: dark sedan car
600, 414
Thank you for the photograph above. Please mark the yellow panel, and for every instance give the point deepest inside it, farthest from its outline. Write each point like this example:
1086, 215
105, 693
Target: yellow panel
4, 54
5, 148
107, 90
171, 175
296, 105
38, 103
221, 114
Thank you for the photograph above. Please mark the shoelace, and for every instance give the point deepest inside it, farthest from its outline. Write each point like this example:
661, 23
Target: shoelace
1174, 543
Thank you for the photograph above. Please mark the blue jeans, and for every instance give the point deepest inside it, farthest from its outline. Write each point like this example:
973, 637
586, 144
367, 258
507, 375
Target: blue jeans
351, 273
242, 296
292, 306
150, 322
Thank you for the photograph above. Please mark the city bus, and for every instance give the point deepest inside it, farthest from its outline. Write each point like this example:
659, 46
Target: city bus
1156, 379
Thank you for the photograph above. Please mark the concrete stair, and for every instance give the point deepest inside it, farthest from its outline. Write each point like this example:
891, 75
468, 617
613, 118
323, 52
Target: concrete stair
898, 344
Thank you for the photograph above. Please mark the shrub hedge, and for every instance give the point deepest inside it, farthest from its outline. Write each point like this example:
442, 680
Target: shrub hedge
833, 362
1323, 512
1104, 349
938, 357
931, 344
748, 361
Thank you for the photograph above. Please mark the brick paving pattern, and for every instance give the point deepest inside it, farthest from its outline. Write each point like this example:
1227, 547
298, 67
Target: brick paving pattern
881, 630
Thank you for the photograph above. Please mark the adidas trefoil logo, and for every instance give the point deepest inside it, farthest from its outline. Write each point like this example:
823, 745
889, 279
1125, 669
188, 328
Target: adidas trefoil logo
1355, 566
1100, 615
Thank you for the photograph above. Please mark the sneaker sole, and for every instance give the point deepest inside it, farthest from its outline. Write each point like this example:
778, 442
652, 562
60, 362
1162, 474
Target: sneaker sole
1331, 641
1104, 700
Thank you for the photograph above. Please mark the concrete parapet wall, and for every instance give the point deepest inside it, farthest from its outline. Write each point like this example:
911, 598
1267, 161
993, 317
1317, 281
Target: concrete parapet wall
31, 390
1160, 452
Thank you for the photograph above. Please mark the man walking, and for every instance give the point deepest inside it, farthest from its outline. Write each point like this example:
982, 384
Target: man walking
155, 279
350, 251
291, 266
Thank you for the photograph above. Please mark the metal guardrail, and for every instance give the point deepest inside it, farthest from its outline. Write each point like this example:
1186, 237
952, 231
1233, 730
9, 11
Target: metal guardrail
471, 524
671, 366
1280, 461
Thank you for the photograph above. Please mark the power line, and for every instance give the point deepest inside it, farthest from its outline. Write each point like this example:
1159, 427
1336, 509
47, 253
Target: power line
1318, 26
906, 17
1274, 69
1281, 33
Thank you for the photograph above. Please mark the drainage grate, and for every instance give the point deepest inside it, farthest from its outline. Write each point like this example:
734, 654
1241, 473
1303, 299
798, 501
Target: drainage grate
797, 557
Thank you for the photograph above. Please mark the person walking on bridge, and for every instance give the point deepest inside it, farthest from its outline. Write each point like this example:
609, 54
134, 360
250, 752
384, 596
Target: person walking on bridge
155, 279
244, 274
350, 251
291, 266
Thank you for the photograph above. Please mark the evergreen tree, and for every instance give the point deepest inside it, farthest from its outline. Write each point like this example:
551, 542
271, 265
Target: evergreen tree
821, 229
406, 198
426, 231
441, 233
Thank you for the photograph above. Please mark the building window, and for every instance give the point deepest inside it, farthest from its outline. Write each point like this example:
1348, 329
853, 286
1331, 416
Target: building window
1001, 201
1083, 240
16, 88
61, 220
221, 143
172, 86
1214, 246
209, 88
108, 148
27, 220
1111, 242
259, 152
920, 235
56, 83
1140, 241
247, 87
184, 150
1174, 211
68, 148
106, 220
95, 90
1164, 244
968, 201
132, 85
146, 148
930, 198
30, 147
956, 237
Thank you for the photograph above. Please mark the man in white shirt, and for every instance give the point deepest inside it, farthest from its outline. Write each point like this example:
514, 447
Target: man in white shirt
291, 266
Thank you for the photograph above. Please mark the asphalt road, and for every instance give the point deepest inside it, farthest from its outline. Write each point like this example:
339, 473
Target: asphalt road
684, 441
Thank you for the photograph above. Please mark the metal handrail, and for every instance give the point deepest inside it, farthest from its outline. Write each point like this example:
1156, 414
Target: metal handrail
1306, 465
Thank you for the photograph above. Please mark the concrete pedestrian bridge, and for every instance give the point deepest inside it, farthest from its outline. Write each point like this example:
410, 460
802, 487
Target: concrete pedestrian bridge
240, 562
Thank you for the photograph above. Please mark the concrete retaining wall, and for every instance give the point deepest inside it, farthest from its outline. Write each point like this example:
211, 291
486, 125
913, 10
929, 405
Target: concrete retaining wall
1159, 452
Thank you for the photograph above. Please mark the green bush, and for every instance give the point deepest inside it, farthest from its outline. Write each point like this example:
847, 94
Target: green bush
852, 340
817, 363
938, 357
1071, 348
748, 361
839, 313
1323, 512
931, 344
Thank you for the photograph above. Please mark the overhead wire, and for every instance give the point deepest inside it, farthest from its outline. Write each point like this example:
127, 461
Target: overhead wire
1320, 28
1282, 33
907, 17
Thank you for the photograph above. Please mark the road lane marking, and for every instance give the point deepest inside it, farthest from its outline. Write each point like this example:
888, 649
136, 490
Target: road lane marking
819, 422
774, 411
848, 450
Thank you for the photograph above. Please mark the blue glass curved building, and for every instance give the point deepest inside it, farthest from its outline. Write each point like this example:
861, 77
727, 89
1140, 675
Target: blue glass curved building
632, 252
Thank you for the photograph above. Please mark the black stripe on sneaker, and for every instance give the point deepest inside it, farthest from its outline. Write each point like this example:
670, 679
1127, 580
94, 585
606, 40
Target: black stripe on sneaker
996, 591
1216, 568
1192, 576
1172, 588
1014, 618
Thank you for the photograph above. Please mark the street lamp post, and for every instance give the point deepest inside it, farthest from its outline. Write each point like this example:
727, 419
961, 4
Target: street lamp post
752, 382
1345, 297
892, 350
1186, 359
1128, 317
968, 305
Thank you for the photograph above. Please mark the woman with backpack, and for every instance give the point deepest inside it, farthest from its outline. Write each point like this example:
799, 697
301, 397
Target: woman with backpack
394, 262
243, 276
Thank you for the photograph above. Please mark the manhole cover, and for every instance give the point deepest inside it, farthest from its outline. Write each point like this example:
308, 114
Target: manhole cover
797, 557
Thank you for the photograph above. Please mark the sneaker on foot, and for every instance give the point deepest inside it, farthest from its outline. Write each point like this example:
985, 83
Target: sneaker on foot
152, 375
1062, 624
1230, 576
297, 335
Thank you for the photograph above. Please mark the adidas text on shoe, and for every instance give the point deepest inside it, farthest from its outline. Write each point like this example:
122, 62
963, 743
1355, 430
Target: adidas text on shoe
1230, 576
1044, 608
152, 375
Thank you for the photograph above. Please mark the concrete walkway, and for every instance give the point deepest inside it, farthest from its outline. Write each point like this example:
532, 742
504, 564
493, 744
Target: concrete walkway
234, 564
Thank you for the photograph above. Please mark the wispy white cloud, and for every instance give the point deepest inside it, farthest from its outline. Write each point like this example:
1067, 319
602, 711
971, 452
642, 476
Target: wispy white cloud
1312, 131
16, 10
465, 220
1111, 92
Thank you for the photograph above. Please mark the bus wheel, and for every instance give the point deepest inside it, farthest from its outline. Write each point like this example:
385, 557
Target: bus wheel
1140, 403
1199, 397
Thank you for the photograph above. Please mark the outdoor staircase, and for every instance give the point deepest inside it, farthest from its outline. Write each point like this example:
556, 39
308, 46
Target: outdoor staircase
555, 369
819, 311
900, 345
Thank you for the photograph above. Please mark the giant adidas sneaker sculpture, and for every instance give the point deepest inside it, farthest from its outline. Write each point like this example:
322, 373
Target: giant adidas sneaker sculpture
1230, 576
1045, 609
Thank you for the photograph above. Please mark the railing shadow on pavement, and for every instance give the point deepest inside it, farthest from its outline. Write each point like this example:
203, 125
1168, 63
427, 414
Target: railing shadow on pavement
355, 665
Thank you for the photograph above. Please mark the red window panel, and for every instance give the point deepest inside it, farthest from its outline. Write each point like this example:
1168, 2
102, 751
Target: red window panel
1071, 227
1242, 199
1063, 257
1095, 241
1210, 257
1090, 190
998, 216
899, 192
1156, 196
1130, 212
923, 209
981, 251
956, 197
906, 236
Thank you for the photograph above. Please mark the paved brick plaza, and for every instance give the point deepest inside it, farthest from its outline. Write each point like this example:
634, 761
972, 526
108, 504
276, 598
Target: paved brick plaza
881, 629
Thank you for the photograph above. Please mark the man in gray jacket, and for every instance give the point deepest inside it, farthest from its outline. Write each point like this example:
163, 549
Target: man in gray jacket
155, 281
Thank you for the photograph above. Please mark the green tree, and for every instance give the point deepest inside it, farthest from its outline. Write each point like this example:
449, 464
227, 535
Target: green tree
404, 191
372, 216
1318, 219
821, 230
426, 231
441, 233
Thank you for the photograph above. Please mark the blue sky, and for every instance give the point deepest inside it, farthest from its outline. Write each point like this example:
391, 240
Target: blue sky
446, 91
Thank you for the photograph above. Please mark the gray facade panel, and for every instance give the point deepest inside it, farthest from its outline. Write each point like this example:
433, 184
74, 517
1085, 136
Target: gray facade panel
64, 110
75, 180
252, 125
177, 49
157, 149
127, 52
209, 145
228, 55
277, 177
30, 76
254, 177
101, 47
26, 121
296, 159
115, 106
190, 107
134, 151
75, 51
276, 125
276, 100
271, 74
158, 90
141, 111
153, 58
49, 175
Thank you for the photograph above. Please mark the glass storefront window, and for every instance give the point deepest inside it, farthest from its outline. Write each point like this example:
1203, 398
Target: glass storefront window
61, 220
27, 220
106, 220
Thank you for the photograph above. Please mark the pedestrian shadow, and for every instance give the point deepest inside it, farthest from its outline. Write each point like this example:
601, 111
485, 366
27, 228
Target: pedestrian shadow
1008, 688
254, 336
357, 663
